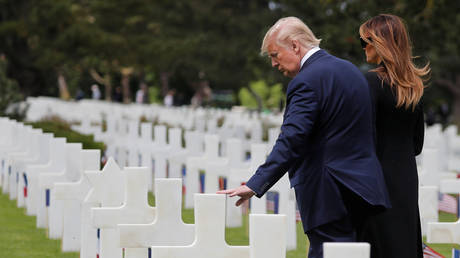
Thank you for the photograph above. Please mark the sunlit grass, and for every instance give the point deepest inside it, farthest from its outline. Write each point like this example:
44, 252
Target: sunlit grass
19, 236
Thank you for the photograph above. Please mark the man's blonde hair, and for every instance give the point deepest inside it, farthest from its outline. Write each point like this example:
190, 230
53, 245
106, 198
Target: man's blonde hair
287, 29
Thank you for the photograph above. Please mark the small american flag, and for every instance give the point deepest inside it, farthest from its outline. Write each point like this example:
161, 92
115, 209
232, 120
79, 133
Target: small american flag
272, 202
428, 252
222, 183
297, 213
447, 203
202, 178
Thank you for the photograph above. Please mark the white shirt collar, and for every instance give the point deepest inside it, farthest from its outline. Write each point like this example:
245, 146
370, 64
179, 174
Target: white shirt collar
308, 54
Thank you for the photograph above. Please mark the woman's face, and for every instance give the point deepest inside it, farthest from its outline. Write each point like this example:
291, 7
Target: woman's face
371, 55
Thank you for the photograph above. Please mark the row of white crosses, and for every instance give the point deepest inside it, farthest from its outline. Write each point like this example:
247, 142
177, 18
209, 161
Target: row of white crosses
439, 163
287, 203
115, 201
90, 113
447, 232
122, 198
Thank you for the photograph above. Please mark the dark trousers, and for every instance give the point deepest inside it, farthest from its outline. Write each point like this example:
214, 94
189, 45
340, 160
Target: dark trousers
350, 228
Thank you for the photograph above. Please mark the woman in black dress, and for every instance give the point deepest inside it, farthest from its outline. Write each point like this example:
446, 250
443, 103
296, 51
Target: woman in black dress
396, 86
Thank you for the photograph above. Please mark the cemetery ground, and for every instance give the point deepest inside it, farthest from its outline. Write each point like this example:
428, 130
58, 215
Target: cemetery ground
19, 237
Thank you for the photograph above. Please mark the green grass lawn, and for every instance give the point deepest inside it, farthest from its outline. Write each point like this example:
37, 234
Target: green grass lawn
19, 237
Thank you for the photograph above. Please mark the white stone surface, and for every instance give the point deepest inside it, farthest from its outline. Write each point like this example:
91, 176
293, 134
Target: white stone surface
443, 232
267, 236
72, 173
36, 201
349, 250
428, 206
135, 208
167, 227
72, 195
195, 164
41, 149
108, 191
209, 233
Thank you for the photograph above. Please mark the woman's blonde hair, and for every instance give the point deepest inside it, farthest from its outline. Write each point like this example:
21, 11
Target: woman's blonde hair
388, 34
287, 29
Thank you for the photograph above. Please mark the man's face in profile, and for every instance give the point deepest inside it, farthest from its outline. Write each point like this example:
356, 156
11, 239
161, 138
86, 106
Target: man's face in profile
284, 59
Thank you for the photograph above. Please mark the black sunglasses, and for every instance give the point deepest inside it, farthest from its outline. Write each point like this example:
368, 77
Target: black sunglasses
363, 42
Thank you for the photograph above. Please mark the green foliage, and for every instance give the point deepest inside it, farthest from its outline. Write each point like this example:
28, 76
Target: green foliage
9, 90
180, 39
61, 128
271, 96
154, 95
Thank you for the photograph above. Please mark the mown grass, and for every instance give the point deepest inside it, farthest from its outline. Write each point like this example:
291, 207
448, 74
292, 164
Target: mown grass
19, 237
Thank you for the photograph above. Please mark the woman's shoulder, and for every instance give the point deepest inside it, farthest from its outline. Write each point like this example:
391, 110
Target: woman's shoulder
372, 77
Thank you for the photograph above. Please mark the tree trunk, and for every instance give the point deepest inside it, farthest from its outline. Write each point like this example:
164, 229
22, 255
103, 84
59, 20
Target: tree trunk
455, 115
63, 89
125, 77
164, 78
454, 88
106, 81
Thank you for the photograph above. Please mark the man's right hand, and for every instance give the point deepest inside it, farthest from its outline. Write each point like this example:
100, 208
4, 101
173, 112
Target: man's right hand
244, 192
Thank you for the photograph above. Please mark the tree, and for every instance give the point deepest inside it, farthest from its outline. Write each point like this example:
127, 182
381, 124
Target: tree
9, 90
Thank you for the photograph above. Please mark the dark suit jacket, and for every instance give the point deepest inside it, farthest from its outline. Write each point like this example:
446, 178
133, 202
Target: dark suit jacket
326, 138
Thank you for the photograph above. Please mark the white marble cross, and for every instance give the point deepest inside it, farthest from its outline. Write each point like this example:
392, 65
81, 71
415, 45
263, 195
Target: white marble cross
428, 205
287, 201
120, 143
18, 145
41, 150
443, 232
108, 191
175, 142
36, 202
193, 148
341, 250
220, 167
145, 151
77, 236
209, 233
167, 228
287, 205
195, 164
160, 151
238, 176
14, 157
132, 144
72, 173
431, 172
135, 208
267, 236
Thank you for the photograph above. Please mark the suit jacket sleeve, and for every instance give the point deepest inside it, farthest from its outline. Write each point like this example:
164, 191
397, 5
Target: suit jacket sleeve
299, 118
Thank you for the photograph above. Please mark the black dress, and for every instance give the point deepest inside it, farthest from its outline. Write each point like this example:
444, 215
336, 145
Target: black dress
399, 138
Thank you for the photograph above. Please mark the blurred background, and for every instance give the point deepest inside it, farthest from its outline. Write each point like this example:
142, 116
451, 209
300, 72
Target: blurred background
202, 52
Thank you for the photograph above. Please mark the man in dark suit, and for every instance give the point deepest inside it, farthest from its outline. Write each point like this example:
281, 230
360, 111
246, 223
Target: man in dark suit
326, 141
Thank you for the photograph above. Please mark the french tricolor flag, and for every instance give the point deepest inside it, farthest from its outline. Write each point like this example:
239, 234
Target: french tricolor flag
25, 183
